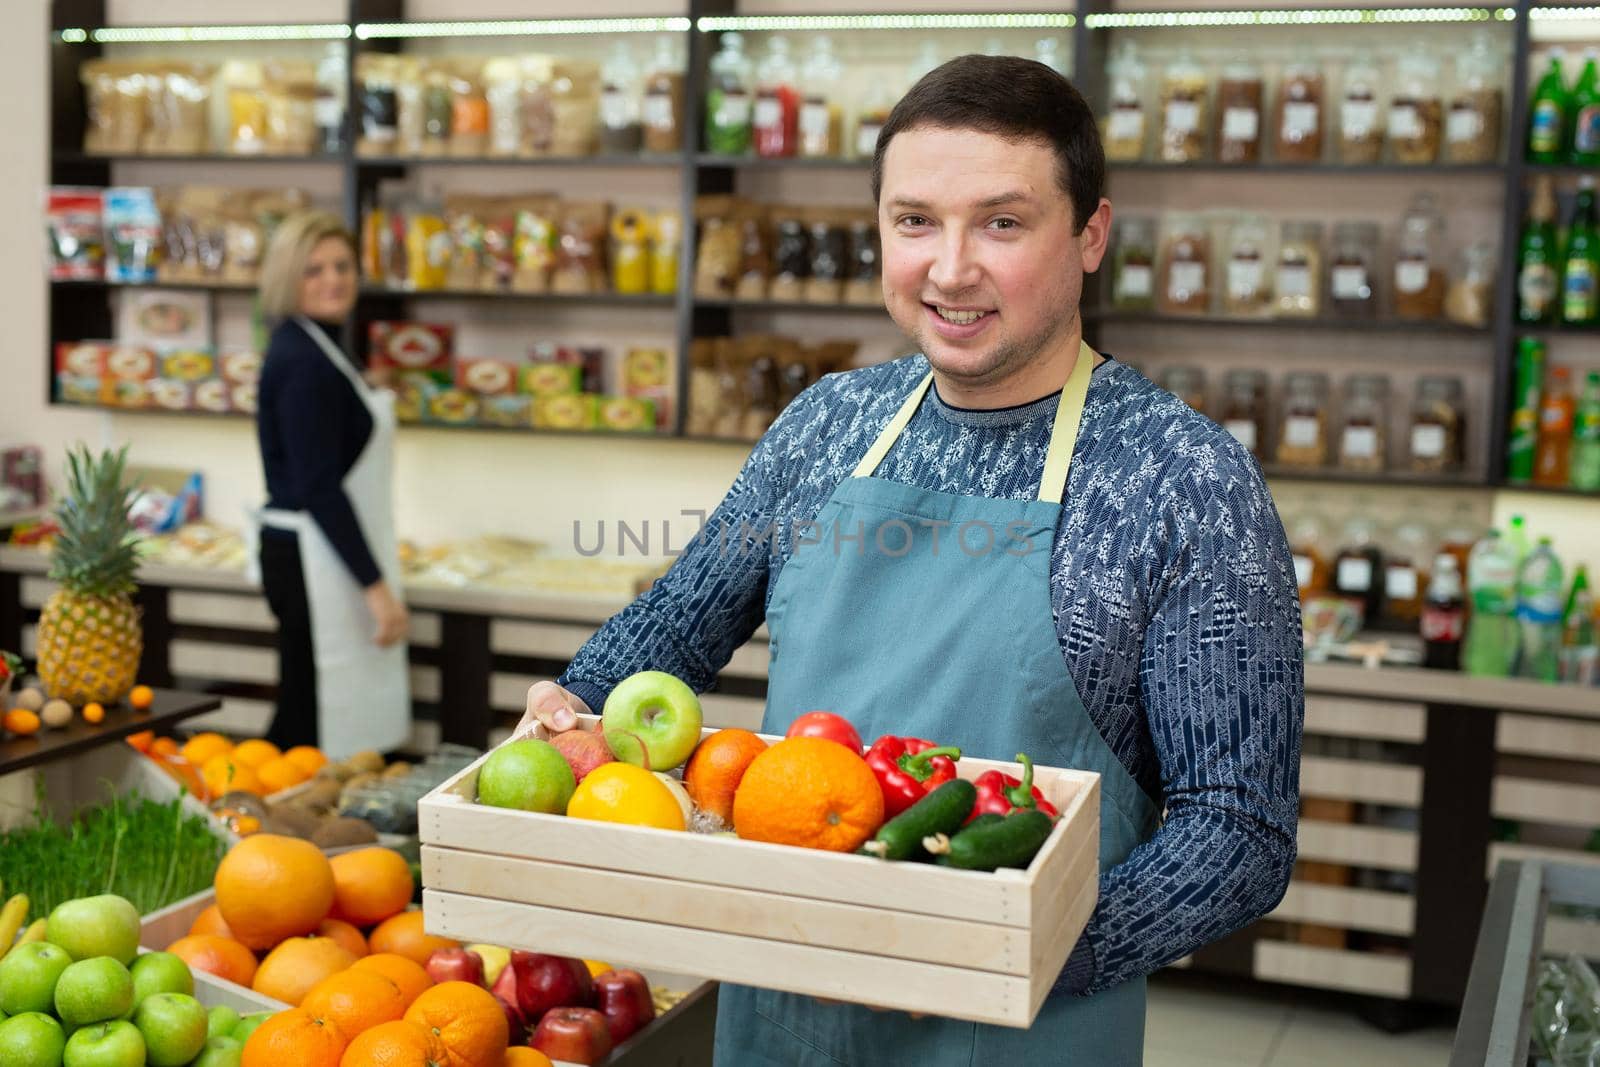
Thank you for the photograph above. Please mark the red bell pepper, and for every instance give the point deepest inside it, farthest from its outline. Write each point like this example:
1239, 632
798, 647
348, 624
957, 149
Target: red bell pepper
908, 769
1001, 794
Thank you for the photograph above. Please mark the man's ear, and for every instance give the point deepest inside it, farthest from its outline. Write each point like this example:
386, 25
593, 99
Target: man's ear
1095, 237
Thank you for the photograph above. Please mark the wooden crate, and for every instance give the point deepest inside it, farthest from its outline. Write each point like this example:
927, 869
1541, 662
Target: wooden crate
161, 928
916, 937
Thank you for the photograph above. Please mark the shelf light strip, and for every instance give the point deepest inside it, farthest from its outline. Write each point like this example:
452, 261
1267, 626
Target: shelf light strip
1565, 14
756, 23
325, 31
1302, 17
518, 28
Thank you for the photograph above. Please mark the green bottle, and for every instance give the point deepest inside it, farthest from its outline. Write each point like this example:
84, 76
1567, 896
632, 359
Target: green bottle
1547, 118
1585, 140
1525, 396
1580, 261
1585, 461
1538, 273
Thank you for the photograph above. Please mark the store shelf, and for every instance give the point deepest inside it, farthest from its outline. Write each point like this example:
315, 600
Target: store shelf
170, 707
1430, 170
114, 410
706, 159
1551, 490
1592, 328
1382, 325
1561, 170
1403, 479
71, 158
194, 287
792, 305
643, 300
610, 160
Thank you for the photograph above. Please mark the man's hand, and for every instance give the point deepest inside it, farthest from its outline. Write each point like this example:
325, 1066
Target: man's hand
552, 707
391, 616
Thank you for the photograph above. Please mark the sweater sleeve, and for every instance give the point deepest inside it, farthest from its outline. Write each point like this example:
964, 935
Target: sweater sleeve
311, 416
1221, 680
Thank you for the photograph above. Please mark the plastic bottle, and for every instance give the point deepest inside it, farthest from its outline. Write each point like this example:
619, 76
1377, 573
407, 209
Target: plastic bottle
1557, 415
328, 107
1539, 603
1048, 50
1580, 648
776, 124
1585, 138
1443, 616
1580, 261
1524, 438
1548, 113
1585, 463
1517, 541
1490, 649
728, 99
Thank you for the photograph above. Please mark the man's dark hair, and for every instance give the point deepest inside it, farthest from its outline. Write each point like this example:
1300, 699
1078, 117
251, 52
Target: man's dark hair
1018, 99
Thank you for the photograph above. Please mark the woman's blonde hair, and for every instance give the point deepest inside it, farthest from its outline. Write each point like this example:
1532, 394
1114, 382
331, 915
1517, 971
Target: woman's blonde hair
285, 261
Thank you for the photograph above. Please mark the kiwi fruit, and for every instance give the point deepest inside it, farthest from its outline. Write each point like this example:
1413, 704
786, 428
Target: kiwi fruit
397, 769
369, 761
293, 820
344, 830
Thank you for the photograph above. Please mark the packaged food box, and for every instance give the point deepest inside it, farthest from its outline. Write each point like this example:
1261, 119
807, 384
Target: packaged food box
565, 411
240, 365
626, 413
212, 395
132, 363
189, 364
645, 371
129, 393
453, 407
487, 377
171, 394
242, 397
83, 359
412, 346
77, 233
551, 379
74, 389
133, 234
507, 412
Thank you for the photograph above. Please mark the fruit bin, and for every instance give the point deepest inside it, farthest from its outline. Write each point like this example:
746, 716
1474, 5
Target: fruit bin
969, 945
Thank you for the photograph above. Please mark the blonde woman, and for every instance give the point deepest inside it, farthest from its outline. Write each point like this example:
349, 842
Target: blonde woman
327, 554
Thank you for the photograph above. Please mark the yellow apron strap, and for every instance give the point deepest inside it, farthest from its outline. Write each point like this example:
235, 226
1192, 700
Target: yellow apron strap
891, 433
1064, 434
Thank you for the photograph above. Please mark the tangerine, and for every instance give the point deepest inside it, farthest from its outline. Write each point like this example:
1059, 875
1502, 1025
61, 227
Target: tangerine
294, 1037
310, 760
399, 1044
345, 934
216, 955
523, 1056
280, 773
403, 935
256, 752
716, 768
294, 968
142, 740
408, 974
140, 697
94, 713
271, 887
166, 746
210, 921
468, 1021
202, 747
20, 721
809, 792
356, 1001
370, 885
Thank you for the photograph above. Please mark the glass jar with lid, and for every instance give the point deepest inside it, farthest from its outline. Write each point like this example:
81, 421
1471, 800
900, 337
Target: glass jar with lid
1299, 275
1303, 440
1239, 101
1187, 384
822, 107
1406, 566
1438, 435
1185, 283
1125, 125
1248, 290
1416, 114
1302, 94
1363, 438
1419, 275
1308, 542
1360, 123
1472, 129
1470, 296
1133, 265
1244, 408
1352, 274
728, 99
1184, 93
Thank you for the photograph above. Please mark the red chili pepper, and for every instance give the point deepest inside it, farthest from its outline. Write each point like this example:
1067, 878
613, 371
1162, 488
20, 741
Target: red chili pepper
908, 769
1001, 794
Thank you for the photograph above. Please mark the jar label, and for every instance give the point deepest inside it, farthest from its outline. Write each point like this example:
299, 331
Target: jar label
1358, 118
1465, 124
733, 111
1586, 131
1350, 283
1300, 120
1544, 127
1244, 278
614, 109
1427, 441
1304, 568
1134, 282
658, 112
1405, 122
1243, 431
1354, 575
1442, 624
769, 112
1578, 291
1400, 583
1411, 275
1536, 288
1302, 431
1241, 124
1360, 442
1127, 124
815, 120
867, 138
1294, 281
1184, 280
1183, 116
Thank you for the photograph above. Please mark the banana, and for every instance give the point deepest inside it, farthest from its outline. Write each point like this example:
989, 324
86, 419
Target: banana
12, 917
34, 932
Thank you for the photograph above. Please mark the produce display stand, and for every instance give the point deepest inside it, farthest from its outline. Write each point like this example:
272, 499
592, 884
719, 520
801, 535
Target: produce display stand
169, 708
1496, 1016
984, 946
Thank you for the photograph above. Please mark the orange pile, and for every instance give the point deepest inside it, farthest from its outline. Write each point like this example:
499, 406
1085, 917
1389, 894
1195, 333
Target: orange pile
209, 765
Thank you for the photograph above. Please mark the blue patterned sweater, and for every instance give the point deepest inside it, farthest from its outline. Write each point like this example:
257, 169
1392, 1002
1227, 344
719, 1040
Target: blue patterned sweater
1174, 598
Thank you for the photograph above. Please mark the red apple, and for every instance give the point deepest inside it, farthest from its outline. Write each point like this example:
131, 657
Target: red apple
455, 965
624, 999
584, 750
545, 982
576, 1035
505, 991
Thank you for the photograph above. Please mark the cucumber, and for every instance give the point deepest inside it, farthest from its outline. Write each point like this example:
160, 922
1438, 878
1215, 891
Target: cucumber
940, 812
1011, 842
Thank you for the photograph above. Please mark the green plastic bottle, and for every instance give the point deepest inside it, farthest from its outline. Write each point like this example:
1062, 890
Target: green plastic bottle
1547, 118
1523, 444
1538, 258
1584, 148
1585, 459
1580, 261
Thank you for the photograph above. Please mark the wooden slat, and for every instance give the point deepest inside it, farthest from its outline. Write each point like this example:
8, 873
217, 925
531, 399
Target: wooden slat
238, 717
220, 662
1537, 735
1393, 784
541, 640
509, 692
1377, 719
1358, 846
36, 590
1557, 803
1327, 968
425, 685
1348, 908
222, 610
424, 630
723, 711
1506, 850
30, 641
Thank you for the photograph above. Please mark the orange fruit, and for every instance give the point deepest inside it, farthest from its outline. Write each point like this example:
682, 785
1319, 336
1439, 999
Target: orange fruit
213, 954
467, 1020
94, 713
294, 1037
223, 774
403, 935
294, 968
405, 973
713, 773
370, 885
399, 1044
278, 774
356, 1001
271, 887
810, 792
20, 721
256, 752
140, 697
202, 747
245, 825
345, 934
210, 921
309, 760
621, 792
523, 1056
166, 746
142, 740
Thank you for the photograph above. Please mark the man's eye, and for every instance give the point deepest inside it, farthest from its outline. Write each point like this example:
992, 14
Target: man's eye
1004, 224
913, 220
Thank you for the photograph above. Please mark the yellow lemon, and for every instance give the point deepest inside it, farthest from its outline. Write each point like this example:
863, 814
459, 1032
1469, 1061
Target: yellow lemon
494, 960
621, 792
596, 968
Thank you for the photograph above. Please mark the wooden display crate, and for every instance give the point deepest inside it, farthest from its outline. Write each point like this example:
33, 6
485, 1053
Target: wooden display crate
916, 937
161, 928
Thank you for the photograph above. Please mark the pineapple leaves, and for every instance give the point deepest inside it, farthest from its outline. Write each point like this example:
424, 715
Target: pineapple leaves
96, 552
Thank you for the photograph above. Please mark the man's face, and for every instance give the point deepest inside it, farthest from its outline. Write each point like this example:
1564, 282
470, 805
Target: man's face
980, 262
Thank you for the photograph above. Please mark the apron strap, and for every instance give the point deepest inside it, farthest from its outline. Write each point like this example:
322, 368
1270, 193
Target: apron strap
331, 350
1063, 434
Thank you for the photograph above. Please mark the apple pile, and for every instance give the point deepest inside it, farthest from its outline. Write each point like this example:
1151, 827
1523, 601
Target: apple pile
81, 995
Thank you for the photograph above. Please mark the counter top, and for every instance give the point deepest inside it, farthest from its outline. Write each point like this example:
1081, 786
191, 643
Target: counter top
169, 707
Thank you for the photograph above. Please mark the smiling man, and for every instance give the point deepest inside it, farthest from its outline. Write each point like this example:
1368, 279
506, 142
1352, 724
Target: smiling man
1112, 589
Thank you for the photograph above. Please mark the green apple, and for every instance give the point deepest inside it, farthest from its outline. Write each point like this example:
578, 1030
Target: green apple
221, 1021
652, 720
31, 1039
159, 972
92, 991
528, 775
113, 1044
106, 925
220, 1052
174, 1027
249, 1024
28, 976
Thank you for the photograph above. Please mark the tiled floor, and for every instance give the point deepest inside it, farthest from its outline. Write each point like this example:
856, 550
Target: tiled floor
1190, 1026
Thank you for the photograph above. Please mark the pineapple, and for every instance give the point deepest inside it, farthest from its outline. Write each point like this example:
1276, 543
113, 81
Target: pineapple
89, 635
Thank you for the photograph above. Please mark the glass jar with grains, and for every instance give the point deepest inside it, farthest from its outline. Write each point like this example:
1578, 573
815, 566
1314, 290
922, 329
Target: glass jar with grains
1249, 280
1125, 125
1364, 438
1185, 287
1303, 441
1472, 130
1239, 93
1360, 125
1419, 276
1133, 269
1416, 115
1186, 383
1471, 292
1299, 279
1184, 90
1352, 276
1301, 96
1244, 409
1438, 437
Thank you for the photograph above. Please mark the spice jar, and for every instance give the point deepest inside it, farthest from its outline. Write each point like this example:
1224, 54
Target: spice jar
1358, 568
1438, 440
1183, 111
1352, 292
1239, 97
1405, 569
1299, 278
1249, 284
1244, 408
1363, 441
870, 119
791, 259
821, 116
1133, 265
1186, 267
1416, 116
1308, 543
1472, 130
830, 255
1303, 441
1188, 384
864, 286
1300, 108
662, 113
1471, 292
755, 261
776, 121
728, 99
1125, 125
620, 129
1419, 279
1360, 128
